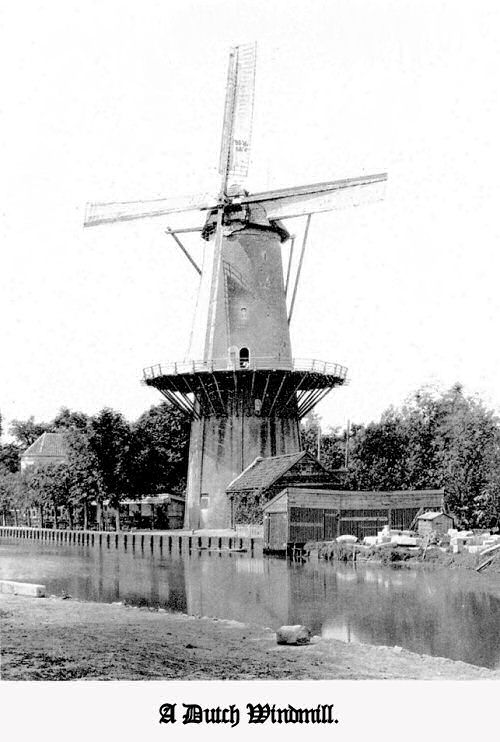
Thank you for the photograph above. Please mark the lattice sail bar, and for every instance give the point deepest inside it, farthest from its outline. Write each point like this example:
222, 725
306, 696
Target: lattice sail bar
238, 115
124, 211
290, 202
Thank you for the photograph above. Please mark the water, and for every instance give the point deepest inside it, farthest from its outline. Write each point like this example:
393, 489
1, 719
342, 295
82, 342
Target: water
444, 613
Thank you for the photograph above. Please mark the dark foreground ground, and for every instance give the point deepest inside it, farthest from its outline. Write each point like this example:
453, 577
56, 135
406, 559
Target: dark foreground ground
56, 639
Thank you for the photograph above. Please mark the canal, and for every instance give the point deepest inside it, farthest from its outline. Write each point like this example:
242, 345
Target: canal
445, 613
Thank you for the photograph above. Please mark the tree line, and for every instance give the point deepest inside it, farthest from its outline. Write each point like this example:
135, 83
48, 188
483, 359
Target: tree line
108, 459
436, 439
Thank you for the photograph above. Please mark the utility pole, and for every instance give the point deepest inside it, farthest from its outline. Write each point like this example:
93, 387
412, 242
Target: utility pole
347, 436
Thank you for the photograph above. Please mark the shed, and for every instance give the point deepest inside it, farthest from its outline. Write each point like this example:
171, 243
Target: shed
434, 522
303, 513
294, 516
159, 511
264, 478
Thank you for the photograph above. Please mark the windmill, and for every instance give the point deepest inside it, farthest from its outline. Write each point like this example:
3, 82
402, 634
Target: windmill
245, 393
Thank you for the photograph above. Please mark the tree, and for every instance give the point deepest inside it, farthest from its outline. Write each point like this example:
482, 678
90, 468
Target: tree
310, 433
328, 447
27, 431
8, 494
9, 458
109, 437
378, 454
332, 451
159, 450
67, 419
85, 481
50, 488
466, 450
436, 440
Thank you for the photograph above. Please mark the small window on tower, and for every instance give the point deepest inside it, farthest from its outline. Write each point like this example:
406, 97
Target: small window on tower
243, 312
244, 358
204, 500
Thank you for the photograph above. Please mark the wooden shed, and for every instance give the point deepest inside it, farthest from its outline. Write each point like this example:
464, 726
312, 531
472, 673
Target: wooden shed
434, 522
264, 478
294, 516
299, 514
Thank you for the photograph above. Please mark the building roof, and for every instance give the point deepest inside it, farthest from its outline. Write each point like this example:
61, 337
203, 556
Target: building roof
431, 515
161, 499
48, 444
262, 473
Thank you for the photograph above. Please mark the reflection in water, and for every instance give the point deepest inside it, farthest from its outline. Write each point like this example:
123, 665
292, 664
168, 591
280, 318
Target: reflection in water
448, 614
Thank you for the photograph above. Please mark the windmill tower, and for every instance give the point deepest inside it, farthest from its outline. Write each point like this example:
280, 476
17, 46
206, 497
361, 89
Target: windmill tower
245, 393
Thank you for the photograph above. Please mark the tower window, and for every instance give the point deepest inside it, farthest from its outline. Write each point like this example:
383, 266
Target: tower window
244, 358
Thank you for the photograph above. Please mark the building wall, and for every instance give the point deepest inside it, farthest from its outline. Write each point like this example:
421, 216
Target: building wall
29, 461
318, 514
250, 308
220, 448
440, 524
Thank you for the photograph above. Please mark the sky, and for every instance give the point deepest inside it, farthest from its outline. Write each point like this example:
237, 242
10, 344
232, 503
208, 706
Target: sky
124, 100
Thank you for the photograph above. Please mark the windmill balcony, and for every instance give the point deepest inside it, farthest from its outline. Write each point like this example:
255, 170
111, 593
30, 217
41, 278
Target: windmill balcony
260, 386
171, 368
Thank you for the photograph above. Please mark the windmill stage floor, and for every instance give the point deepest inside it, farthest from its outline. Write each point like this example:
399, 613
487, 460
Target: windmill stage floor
57, 639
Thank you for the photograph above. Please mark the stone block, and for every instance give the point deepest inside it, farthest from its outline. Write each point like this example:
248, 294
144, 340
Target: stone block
403, 541
22, 588
474, 548
293, 635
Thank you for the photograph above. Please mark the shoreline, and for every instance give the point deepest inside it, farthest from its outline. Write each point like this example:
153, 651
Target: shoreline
57, 639
396, 557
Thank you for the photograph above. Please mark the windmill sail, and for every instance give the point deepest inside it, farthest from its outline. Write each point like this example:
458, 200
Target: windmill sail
238, 116
310, 199
124, 211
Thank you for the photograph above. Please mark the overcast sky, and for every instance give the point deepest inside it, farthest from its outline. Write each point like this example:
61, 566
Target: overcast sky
116, 101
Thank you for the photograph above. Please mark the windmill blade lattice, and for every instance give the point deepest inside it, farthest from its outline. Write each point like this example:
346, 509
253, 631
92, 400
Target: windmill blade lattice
125, 211
311, 199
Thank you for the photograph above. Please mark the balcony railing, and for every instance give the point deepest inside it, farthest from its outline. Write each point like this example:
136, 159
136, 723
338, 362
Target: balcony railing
254, 364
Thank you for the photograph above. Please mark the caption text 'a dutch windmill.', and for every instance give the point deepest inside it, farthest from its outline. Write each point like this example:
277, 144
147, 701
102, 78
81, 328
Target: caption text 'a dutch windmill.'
246, 394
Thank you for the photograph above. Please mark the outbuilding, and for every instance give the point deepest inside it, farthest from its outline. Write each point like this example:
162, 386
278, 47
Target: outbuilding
264, 478
49, 448
434, 522
298, 514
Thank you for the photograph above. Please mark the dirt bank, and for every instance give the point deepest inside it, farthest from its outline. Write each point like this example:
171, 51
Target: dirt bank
398, 556
56, 639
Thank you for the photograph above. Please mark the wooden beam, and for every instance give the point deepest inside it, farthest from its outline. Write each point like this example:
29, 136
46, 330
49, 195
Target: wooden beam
297, 277
292, 239
277, 394
184, 250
